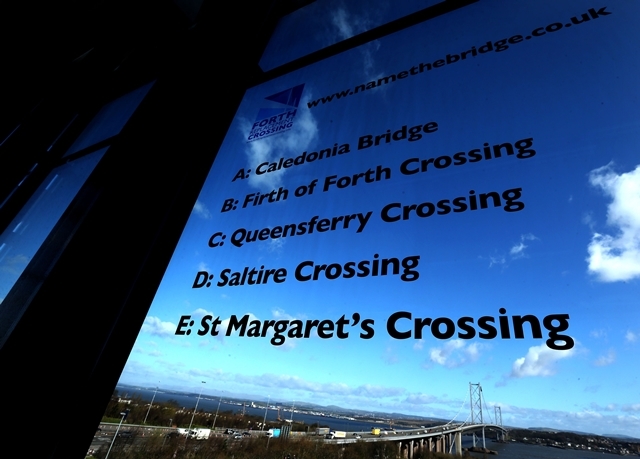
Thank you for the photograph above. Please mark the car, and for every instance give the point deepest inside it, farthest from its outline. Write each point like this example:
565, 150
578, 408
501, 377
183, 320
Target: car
246, 434
172, 434
229, 431
357, 435
237, 435
125, 434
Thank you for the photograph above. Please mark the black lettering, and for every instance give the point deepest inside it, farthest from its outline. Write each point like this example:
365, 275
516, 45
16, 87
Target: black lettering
450, 328
490, 331
391, 325
367, 328
470, 332
204, 323
184, 322
235, 324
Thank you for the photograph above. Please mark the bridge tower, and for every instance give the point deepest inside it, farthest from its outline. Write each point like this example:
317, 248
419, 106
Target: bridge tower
475, 397
498, 417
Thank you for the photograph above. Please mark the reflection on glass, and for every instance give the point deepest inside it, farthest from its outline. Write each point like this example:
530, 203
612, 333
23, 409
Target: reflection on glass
110, 119
326, 22
32, 225
501, 188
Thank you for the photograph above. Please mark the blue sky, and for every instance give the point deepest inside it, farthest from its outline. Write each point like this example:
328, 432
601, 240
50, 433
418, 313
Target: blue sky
573, 249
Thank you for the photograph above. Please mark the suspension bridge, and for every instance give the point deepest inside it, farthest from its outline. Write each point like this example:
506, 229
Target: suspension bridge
446, 438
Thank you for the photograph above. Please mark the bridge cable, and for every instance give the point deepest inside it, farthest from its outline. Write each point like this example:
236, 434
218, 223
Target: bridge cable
454, 418
485, 404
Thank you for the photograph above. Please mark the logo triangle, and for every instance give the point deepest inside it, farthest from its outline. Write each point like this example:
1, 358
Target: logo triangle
290, 97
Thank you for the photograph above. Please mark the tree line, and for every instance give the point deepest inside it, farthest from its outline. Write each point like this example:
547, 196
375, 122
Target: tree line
225, 447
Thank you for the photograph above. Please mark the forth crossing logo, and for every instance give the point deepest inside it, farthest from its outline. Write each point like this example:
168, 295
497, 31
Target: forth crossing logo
279, 116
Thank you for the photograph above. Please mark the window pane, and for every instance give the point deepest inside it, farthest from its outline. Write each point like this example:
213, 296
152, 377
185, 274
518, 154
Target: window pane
326, 22
461, 202
110, 119
32, 225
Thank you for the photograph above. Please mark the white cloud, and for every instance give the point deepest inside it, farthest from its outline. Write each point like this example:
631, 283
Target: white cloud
204, 343
273, 246
539, 361
200, 312
606, 408
224, 325
288, 345
420, 399
201, 210
155, 326
588, 220
339, 19
390, 357
631, 337
14, 264
499, 260
588, 414
291, 382
517, 251
473, 351
599, 420
303, 133
607, 359
455, 353
617, 257
280, 314
347, 25
145, 351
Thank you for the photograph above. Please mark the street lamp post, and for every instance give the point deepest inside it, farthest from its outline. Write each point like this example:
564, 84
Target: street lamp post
124, 416
264, 421
150, 405
216, 416
194, 413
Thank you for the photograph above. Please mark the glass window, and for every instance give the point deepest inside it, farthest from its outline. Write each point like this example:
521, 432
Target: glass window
27, 232
326, 22
35, 221
110, 120
459, 202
